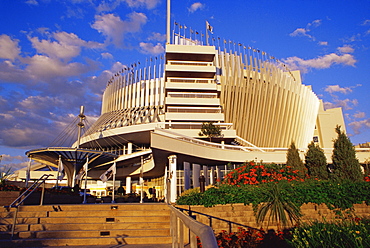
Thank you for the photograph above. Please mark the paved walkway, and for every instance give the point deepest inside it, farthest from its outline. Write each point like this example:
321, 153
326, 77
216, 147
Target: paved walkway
115, 246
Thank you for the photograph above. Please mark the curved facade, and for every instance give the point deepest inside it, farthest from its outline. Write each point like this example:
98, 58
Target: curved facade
267, 105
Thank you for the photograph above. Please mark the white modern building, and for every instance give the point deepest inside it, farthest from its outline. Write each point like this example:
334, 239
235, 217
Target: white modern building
151, 117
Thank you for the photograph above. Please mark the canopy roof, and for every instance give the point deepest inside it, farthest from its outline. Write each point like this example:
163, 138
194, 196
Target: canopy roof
72, 156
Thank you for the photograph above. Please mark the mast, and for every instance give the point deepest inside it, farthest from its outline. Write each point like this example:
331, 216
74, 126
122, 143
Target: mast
80, 125
168, 34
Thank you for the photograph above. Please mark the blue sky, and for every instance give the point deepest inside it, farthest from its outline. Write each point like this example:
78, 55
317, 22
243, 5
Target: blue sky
58, 55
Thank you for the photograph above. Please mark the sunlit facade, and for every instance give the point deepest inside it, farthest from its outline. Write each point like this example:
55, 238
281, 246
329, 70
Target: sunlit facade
152, 113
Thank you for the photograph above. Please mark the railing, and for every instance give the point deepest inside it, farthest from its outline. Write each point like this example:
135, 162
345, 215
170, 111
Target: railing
210, 217
190, 80
17, 202
188, 139
195, 63
196, 229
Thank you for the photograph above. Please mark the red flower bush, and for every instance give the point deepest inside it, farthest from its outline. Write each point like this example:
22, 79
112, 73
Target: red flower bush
367, 178
251, 238
251, 174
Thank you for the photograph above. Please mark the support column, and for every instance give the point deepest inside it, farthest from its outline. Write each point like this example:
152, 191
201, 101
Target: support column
218, 171
186, 175
212, 176
129, 148
172, 161
196, 175
28, 171
205, 173
128, 185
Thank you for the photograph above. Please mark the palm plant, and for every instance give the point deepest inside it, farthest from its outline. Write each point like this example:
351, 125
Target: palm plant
278, 209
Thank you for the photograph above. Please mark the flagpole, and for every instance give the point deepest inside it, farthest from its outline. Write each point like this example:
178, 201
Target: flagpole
207, 33
87, 166
141, 181
114, 179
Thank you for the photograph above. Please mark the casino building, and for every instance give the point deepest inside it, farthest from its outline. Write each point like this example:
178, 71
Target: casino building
152, 114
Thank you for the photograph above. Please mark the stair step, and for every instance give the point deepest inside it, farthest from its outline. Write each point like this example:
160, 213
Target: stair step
95, 224
91, 207
105, 219
118, 240
94, 233
109, 213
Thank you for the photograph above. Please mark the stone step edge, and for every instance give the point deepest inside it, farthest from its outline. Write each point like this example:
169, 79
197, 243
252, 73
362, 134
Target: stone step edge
92, 230
91, 217
85, 224
84, 211
60, 240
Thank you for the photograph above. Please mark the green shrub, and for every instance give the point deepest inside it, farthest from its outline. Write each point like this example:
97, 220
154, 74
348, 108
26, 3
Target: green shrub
347, 233
335, 195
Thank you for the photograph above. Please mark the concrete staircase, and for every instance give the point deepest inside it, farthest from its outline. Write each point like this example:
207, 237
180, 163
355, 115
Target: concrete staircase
86, 224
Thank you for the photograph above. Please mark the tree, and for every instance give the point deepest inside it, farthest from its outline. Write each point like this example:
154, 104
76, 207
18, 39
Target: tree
210, 130
294, 161
316, 162
346, 165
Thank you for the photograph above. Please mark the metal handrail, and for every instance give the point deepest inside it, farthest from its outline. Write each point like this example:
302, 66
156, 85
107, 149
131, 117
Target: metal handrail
197, 229
17, 202
210, 217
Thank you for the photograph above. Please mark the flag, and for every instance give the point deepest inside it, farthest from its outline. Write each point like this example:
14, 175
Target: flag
61, 171
108, 174
209, 27
82, 171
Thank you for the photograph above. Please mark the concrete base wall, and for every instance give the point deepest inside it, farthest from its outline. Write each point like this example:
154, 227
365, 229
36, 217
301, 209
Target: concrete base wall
7, 197
242, 214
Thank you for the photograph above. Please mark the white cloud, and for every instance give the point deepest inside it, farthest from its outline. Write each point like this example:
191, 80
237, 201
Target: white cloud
114, 28
107, 56
149, 48
8, 158
149, 4
301, 32
323, 43
32, 2
37, 102
112, 5
326, 61
336, 88
359, 115
345, 104
366, 22
44, 68
55, 49
357, 126
66, 46
8, 48
346, 49
157, 37
305, 31
72, 39
353, 38
195, 6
